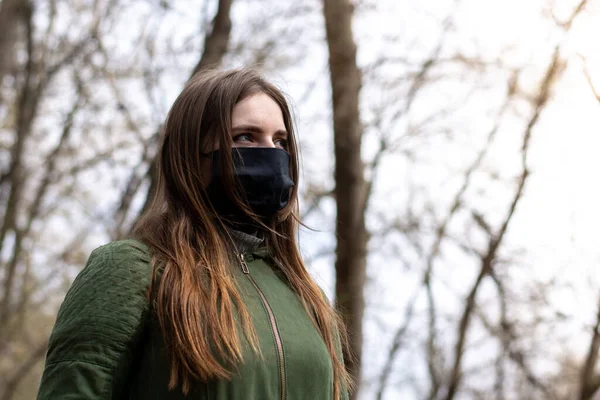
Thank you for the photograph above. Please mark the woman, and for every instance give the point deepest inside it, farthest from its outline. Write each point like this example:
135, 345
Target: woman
211, 299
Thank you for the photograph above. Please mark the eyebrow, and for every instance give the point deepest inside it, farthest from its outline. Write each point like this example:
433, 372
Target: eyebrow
256, 129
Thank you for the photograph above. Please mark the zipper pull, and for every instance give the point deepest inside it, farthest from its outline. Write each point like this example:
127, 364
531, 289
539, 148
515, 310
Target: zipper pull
244, 264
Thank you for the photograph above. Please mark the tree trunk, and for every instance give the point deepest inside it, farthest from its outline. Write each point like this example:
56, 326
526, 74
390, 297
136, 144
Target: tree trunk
12, 14
350, 185
26, 112
217, 41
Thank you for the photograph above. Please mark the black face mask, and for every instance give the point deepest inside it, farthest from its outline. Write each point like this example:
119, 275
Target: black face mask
264, 174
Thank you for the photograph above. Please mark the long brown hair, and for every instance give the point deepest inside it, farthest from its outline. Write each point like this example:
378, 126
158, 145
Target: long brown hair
195, 297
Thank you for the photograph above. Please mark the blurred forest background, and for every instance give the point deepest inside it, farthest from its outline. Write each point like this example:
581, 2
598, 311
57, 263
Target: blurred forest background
450, 164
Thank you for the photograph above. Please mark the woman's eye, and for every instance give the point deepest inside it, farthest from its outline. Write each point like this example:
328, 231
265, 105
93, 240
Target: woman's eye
281, 143
244, 137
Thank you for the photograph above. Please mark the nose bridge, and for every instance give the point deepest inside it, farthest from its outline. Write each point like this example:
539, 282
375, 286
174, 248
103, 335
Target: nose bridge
267, 140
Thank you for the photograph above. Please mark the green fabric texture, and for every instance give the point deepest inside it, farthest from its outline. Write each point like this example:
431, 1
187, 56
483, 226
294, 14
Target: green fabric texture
106, 344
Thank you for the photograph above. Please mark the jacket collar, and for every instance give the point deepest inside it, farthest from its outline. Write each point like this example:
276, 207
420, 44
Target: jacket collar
245, 242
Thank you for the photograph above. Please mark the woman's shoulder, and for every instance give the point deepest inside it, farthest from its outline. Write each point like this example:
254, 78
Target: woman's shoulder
120, 266
127, 249
101, 317
119, 271
109, 294
125, 265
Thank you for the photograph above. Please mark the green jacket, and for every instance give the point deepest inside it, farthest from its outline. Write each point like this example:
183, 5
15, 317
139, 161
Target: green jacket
106, 344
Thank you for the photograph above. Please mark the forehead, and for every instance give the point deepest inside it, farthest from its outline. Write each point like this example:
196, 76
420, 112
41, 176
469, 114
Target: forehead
258, 109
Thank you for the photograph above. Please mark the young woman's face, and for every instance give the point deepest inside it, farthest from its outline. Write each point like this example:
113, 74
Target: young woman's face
257, 121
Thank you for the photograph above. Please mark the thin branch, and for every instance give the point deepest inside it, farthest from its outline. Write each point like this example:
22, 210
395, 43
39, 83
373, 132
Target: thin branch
397, 344
507, 337
566, 25
588, 77
315, 200
419, 79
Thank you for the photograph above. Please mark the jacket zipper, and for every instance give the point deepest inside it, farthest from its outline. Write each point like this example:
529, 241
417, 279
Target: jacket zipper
278, 342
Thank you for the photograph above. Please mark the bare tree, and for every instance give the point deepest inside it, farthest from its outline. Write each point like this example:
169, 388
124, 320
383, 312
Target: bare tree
433, 361
488, 259
446, 381
24, 187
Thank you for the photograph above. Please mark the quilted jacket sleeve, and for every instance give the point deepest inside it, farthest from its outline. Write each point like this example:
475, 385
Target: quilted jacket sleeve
98, 325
